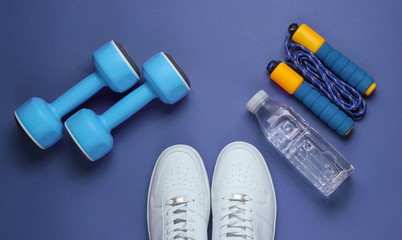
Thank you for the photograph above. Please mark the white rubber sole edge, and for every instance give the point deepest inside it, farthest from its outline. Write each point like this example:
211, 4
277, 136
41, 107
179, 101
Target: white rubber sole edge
184, 148
257, 153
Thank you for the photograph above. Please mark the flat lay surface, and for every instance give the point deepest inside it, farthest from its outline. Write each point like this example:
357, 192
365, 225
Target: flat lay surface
223, 47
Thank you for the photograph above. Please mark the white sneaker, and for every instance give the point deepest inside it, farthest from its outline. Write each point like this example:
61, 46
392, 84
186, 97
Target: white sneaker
243, 196
178, 197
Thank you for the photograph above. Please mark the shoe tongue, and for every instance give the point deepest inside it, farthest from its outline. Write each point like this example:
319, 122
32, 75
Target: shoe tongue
178, 221
179, 201
241, 199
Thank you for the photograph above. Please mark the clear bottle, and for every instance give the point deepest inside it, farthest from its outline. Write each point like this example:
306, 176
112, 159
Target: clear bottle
301, 144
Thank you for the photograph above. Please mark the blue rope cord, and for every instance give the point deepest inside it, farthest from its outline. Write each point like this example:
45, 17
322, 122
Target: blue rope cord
314, 72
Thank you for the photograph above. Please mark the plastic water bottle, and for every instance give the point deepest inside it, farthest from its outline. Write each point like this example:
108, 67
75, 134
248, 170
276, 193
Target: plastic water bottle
301, 144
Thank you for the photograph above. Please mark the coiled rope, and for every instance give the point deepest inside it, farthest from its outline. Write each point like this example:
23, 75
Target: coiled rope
316, 74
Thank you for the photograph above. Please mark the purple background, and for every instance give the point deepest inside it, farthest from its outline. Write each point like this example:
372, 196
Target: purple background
223, 46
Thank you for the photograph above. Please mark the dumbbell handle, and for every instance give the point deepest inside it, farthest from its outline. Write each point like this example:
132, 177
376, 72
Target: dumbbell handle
78, 94
127, 106
322, 107
347, 70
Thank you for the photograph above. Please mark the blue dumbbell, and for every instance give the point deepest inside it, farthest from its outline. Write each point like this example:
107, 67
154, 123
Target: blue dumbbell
91, 133
41, 121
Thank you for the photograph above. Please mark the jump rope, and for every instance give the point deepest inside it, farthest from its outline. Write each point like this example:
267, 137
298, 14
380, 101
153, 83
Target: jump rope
342, 94
322, 79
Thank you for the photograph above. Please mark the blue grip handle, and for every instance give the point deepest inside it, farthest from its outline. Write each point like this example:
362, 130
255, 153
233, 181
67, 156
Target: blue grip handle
325, 109
78, 94
344, 68
127, 106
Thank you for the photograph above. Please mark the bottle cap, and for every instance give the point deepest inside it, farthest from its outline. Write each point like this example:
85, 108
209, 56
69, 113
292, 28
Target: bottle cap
257, 100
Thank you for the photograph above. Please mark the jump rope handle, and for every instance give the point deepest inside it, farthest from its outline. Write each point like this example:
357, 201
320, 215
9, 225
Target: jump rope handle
342, 66
293, 83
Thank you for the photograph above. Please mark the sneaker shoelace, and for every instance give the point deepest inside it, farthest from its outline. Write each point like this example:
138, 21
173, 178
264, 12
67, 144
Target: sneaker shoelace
179, 220
236, 218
